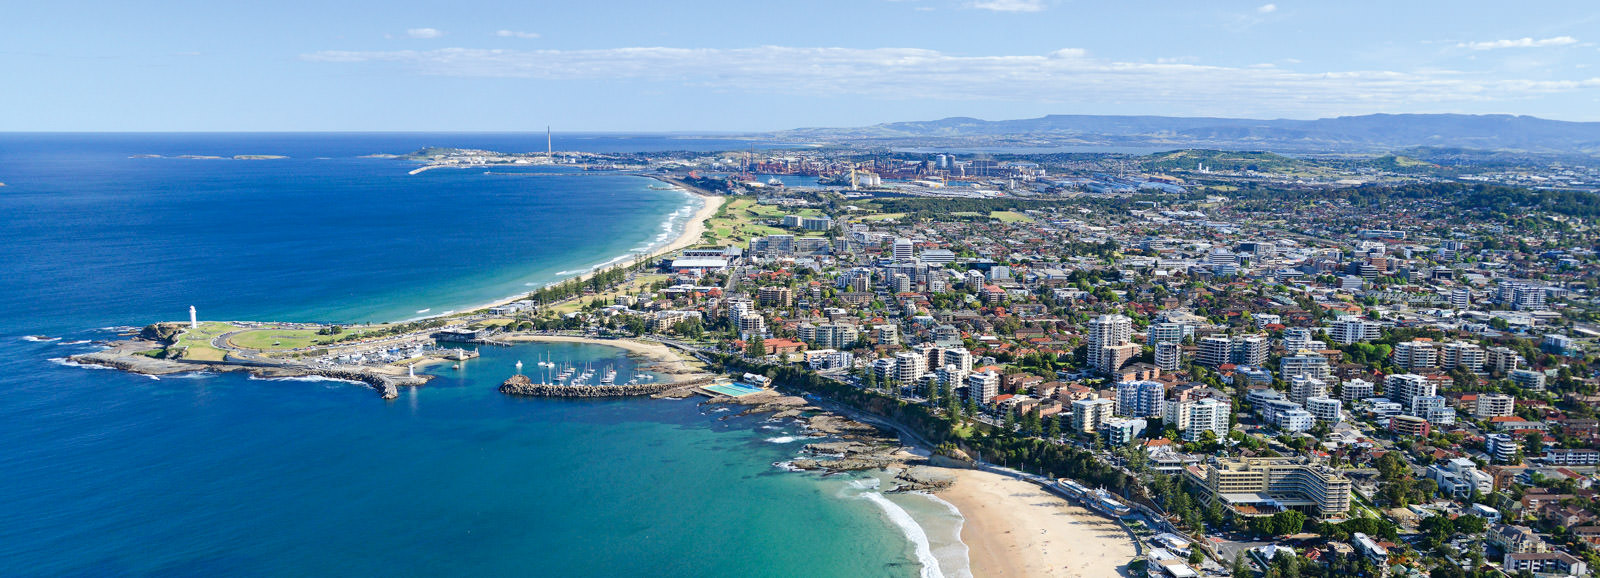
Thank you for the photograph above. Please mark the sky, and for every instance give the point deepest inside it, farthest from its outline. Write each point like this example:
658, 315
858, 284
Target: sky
711, 66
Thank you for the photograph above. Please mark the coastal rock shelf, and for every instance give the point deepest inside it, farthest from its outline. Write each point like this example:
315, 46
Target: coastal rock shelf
121, 356
520, 385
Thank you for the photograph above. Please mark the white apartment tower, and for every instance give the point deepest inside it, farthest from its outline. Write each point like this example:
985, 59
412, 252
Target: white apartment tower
1215, 351
1350, 329
1168, 355
903, 249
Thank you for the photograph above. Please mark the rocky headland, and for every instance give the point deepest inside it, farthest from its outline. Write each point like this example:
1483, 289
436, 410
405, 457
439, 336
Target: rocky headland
130, 355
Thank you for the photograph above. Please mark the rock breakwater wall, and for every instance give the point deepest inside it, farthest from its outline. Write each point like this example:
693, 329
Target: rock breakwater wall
520, 385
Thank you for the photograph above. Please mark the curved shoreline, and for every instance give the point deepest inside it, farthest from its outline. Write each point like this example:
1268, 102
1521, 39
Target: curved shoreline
1015, 528
693, 229
654, 351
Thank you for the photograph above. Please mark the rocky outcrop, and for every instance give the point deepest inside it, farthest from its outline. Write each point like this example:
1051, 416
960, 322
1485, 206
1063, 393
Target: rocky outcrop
923, 479
165, 333
770, 402
521, 385
850, 456
388, 385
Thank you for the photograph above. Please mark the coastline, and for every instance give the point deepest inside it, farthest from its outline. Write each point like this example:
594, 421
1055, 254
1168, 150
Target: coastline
656, 352
1016, 528
693, 229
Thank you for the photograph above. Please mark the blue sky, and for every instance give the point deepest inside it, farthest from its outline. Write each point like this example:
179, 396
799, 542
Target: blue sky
738, 66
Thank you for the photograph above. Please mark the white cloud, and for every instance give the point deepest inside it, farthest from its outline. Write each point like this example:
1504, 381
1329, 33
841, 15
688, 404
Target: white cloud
1010, 5
423, 33
515, 34
1062, 77
1519, 43
1267, 8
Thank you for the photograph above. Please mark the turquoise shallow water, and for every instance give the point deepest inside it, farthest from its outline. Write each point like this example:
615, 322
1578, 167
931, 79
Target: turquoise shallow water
229, 475
114, 474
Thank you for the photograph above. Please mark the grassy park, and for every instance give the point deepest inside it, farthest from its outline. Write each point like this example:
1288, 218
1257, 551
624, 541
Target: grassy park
196, 343
740, 219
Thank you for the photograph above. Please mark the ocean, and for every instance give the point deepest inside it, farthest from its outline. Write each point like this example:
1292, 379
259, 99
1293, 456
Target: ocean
109, 473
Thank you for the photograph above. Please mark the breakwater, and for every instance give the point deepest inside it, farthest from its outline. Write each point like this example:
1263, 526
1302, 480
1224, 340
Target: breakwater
522, 386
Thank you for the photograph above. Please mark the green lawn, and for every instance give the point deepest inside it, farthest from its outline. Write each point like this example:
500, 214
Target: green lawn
283, 339
738, 221
196, 343
635, 286
1010, 217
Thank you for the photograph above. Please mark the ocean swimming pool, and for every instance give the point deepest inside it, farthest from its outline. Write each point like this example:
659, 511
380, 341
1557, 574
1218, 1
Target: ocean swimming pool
732, 389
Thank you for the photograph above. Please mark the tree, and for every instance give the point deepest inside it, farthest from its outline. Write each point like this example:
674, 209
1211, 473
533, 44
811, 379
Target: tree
1533, 444
1240, 568
757, 347
1196, 556
1470, 524
691, 328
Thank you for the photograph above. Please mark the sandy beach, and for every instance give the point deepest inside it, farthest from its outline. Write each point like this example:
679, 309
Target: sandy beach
656, 352
696, 226
692, 231
1015, 528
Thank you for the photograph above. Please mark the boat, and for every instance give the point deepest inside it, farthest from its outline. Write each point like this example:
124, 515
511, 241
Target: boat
610, 376
774, 182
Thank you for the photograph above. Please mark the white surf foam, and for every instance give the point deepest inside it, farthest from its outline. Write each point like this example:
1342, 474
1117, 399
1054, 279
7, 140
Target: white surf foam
864, 484
78, 342
919, 539
37, 339
424, 310
783, 439
62, 361
310, 378
955, 557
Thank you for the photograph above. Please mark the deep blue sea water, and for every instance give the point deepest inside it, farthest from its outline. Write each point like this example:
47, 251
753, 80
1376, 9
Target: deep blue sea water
105, 473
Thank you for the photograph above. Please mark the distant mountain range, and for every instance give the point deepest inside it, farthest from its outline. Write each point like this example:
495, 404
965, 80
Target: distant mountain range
1369, 133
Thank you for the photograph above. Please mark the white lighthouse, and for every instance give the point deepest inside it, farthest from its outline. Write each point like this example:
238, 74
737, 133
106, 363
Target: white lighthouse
194, 322
519, 367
